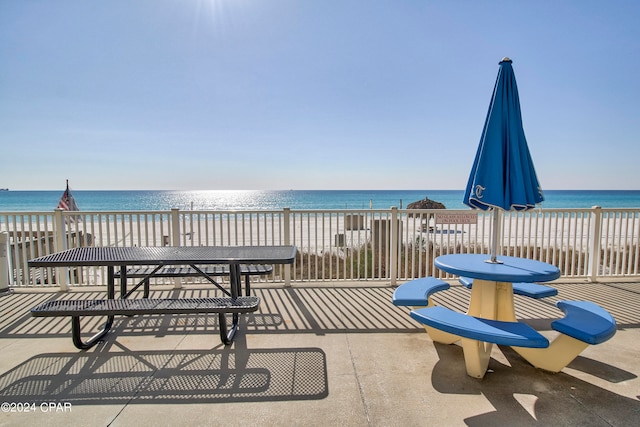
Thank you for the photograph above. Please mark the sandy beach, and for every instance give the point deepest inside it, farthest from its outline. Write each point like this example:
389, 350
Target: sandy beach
547, 234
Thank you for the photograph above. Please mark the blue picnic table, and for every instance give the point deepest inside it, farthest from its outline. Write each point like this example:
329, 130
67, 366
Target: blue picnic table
491, 318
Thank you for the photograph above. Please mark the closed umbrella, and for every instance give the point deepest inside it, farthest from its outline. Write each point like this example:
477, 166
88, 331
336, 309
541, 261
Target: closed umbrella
503, 176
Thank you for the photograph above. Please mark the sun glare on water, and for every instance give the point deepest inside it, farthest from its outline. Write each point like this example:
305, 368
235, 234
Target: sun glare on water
222, 199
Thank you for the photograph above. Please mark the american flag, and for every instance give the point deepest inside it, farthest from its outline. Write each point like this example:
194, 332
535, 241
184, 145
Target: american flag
68, 203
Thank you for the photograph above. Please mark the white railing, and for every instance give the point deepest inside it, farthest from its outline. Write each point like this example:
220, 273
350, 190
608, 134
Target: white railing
354, 245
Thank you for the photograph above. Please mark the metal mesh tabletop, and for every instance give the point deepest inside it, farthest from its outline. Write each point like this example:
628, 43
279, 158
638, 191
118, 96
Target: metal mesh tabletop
109, 256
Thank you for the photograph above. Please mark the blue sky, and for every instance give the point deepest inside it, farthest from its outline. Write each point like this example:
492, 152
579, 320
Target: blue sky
302, 94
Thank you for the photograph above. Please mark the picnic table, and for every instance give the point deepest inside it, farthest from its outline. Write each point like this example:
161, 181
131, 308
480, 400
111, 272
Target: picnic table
490, 318
196, 257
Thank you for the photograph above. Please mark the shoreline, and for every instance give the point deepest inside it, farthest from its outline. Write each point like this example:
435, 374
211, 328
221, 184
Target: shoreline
151, 200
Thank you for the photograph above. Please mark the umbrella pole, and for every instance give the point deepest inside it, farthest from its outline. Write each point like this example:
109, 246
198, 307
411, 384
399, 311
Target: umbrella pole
494, 237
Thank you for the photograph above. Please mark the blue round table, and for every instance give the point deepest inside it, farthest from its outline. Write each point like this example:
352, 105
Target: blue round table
492, 291
510, 269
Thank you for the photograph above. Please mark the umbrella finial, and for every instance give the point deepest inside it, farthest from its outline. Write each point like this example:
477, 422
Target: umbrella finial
505, 59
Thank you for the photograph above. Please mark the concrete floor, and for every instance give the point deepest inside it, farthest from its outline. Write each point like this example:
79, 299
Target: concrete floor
313, 355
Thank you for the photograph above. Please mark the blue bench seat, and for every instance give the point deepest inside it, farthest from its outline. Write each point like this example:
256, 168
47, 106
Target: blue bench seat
416, 293
585, 321
531, 290
491, 331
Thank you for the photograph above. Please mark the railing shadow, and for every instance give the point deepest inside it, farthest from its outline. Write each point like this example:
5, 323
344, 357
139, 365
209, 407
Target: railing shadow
320, 310
307, 309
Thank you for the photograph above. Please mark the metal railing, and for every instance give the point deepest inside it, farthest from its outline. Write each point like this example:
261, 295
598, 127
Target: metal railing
352, 245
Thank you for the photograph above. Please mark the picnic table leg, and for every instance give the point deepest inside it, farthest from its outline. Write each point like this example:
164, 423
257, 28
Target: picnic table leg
75, 320
235, 279
476, 356
489, 300
226, 334
123, 281
111, 287
562, 350
77, 339
492, 300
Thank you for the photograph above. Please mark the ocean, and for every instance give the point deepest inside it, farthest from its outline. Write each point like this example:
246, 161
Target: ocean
43, 201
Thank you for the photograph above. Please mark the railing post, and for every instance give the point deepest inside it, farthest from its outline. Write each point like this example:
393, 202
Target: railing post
175, 227
175, 239
4, 263
393, 247
287, 241
595, 245
60, 244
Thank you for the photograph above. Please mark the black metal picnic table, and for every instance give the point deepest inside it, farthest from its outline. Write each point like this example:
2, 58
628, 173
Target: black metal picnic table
194, 256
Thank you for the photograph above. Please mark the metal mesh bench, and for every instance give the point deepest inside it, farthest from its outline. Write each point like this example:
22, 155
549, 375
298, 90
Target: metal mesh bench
149, 272
111, 307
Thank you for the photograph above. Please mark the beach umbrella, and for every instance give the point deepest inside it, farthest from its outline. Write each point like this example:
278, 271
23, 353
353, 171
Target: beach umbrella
425, 203
503, 176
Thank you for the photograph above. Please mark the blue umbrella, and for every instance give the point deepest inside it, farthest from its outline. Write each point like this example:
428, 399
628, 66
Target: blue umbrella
503, 176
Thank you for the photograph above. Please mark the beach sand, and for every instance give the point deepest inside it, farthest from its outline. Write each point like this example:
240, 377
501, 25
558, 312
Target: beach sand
323, 232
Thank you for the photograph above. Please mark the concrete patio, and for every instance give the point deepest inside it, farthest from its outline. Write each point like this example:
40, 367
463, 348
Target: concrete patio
316, 354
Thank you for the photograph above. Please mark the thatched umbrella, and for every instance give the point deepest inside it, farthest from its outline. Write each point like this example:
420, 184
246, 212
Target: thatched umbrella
426, 203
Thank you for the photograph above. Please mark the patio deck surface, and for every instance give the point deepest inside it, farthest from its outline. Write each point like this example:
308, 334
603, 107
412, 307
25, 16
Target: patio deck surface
315, 354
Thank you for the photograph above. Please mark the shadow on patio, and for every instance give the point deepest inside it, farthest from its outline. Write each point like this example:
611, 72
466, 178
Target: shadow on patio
329, 353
